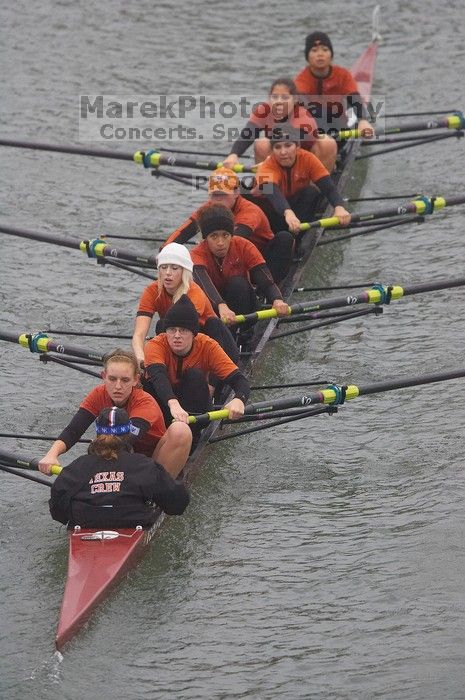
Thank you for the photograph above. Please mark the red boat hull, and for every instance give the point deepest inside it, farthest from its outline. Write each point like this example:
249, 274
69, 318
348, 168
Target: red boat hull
95, 563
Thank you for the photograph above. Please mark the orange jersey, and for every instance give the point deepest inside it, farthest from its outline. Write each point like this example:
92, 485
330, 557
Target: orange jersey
245, 213
139, 405
153, 300
205, 355
249, 214
300, 119
306, 169
241, 257
338, 82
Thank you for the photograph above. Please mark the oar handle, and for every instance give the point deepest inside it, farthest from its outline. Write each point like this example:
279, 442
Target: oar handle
205, 418
321, 223
261, 315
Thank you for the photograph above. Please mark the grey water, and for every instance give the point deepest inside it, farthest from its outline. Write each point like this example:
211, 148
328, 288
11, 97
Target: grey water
322, 559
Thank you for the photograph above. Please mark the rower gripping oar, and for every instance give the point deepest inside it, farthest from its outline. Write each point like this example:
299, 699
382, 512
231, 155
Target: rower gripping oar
23, 462
332, 395
422, 206
378, 294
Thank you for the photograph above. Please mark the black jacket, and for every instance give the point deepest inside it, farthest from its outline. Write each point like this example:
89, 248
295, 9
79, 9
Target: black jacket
96, 492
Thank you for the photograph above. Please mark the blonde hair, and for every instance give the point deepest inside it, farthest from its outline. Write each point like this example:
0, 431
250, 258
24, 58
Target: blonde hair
186, 281
120, 355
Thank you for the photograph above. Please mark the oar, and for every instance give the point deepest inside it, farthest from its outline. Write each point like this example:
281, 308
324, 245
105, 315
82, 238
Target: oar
422, 205
94, 248
149, 159
332, 395
25, 475
450, 121
378, 294
23, 462
40, 342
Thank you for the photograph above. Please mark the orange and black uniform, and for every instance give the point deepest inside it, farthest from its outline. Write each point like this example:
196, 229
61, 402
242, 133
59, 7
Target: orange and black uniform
218, 277
323, 96
144, 412
262, 119
249, 222
158, 300
122, 492
186, 377
290, 187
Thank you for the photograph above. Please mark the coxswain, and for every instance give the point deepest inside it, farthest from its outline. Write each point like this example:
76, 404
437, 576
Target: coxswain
326, 90
289, 183
167, 446
175, 267
226, 266
250, 222
178, 364
112, 486
282, 108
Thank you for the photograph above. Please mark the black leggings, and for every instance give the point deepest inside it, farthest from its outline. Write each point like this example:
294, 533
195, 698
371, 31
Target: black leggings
278, 255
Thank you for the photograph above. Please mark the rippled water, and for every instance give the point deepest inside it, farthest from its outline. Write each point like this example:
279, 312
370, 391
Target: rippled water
321, 560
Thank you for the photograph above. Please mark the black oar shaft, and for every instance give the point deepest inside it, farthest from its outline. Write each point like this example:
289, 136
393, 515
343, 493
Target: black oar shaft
38, 236
26, 475
101, 249
324, 395
20, 461
40, 342
73, 150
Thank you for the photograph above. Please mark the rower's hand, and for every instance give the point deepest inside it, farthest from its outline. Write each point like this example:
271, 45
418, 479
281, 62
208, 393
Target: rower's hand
282, 309
230, 161
177, 411
366, 129
343, 215
292, 221
226, 315
46, 463
236, 408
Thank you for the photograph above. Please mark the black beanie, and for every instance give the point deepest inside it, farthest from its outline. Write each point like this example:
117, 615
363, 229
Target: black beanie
182, 315
316, 38
215, 217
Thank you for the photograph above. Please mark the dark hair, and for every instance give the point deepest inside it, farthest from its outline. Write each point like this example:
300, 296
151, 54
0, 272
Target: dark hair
109, 446
291, 86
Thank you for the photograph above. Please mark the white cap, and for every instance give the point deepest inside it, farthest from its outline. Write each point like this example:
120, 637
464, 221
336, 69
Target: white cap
175, 254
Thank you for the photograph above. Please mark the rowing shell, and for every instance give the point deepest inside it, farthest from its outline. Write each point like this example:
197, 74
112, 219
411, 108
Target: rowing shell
98, 559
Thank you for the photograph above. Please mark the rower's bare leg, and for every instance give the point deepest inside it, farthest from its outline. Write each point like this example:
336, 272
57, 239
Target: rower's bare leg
325, 149
262, 149
173, 448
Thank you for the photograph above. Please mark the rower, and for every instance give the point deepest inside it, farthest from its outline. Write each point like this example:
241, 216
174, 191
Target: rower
111, 486
327, 90
169, 447
179, 361
289, 183
175, 279
250, 222
282, 108
224, 264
